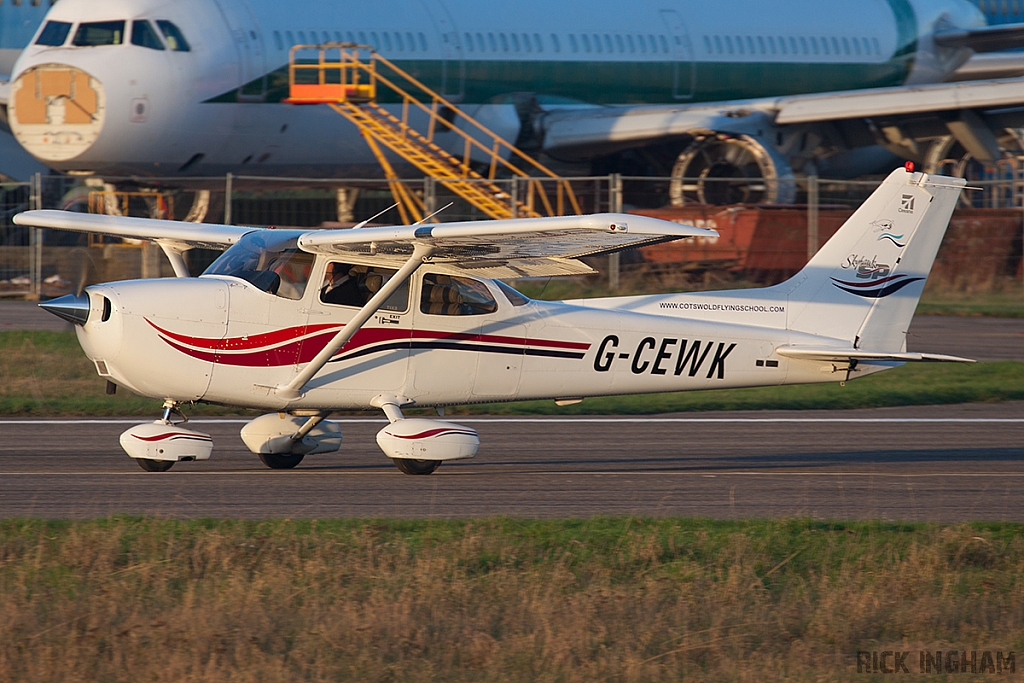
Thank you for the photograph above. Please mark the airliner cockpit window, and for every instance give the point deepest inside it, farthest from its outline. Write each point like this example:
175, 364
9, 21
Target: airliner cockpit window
270, 260
175, 40
99, 33
54, 33
144, 35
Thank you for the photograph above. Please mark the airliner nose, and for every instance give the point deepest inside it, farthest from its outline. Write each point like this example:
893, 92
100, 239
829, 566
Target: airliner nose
56, 111
72, 307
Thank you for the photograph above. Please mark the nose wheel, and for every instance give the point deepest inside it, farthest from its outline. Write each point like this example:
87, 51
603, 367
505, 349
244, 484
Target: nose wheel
154, 465
409, 466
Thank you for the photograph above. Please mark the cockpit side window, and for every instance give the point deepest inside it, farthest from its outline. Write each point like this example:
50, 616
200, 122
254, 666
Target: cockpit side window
99, 33
514, 297
143, 35
349, 285
175, 40
453, 295
270, 260
54, 33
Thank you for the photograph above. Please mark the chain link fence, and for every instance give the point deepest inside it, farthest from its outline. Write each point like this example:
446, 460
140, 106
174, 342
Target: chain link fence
759, 243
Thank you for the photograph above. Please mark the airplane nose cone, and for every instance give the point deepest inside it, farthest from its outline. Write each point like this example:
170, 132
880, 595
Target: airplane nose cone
56, 111
72, 307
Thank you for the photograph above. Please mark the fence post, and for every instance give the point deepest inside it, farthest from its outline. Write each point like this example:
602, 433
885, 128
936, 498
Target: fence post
429, 195
35, 253
812, 216
227, 199
614, 206
513, 191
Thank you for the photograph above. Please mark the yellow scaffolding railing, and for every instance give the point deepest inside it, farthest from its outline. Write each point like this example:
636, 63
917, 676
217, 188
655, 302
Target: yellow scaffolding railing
350, 85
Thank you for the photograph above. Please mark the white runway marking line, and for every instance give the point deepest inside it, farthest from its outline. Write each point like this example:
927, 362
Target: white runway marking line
386, 471
593, 420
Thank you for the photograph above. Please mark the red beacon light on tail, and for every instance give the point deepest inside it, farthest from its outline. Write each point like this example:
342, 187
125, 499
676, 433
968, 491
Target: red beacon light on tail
909, 166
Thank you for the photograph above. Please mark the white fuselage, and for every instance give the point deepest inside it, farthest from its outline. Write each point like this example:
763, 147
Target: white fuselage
223, 340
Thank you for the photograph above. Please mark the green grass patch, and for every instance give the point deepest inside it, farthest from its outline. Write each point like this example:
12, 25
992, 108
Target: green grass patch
46, 374
1007, 302
600, 599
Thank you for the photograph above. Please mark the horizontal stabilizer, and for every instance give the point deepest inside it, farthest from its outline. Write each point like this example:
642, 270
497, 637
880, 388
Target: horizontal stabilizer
834, 354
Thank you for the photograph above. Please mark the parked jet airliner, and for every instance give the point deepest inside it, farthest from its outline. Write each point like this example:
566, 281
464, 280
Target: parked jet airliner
196, 86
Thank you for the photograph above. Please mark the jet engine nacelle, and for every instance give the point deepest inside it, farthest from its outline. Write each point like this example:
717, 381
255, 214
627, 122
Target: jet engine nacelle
272, 434
422, 439
166, 442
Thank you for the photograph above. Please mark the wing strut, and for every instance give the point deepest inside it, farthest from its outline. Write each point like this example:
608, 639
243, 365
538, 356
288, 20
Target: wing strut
293, 390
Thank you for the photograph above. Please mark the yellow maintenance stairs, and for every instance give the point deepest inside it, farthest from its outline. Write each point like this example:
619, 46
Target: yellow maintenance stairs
341, 78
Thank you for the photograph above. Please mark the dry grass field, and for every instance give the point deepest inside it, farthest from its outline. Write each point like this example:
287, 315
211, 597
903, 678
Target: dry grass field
496, 600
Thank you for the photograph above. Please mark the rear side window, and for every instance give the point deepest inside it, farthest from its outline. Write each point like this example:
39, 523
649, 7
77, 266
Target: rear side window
452, 295
143, 35
54, 33
173, 35
99, 33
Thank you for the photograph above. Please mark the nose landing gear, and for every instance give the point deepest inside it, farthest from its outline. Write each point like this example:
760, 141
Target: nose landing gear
157, 445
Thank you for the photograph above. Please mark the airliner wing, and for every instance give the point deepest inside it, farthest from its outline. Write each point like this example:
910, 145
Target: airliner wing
922, 99
982, 39
992, 65
175, 233
503, 249
994, 104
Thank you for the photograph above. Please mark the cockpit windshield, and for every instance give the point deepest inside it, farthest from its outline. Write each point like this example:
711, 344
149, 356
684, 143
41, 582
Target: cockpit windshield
54, 33
270, 260
143, 35
99, 33
173, 35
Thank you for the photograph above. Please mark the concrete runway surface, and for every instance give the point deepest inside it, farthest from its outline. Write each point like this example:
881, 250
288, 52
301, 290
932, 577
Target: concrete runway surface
923, 463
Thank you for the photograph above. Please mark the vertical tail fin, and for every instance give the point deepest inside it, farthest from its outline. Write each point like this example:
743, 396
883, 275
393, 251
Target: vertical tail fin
864, 284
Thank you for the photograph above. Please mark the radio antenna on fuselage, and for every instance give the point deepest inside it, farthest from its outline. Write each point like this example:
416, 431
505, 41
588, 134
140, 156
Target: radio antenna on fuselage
433, 214
378, 215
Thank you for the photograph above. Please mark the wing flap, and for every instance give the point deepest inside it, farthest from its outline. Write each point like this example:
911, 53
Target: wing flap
178, 233
840, 355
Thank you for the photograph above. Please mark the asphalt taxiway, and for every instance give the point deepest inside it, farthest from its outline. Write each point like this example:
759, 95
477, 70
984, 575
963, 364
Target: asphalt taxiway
922, 463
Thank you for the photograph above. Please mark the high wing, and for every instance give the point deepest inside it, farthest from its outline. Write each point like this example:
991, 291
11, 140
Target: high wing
499, 249
975, 112
177, 235
502, 249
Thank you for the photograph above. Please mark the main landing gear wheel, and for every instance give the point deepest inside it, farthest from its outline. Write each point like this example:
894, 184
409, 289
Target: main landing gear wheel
154, 465
277, 461
409, 466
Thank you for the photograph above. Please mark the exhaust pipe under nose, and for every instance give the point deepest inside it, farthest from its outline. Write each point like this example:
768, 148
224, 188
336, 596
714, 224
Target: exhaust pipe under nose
71, 307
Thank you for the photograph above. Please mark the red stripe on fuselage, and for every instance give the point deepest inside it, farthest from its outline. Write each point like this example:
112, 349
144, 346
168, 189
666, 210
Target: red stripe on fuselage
306, 341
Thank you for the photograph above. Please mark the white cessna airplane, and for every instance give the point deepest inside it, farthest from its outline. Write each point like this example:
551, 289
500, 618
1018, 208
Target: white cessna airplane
698, 89
306, 323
